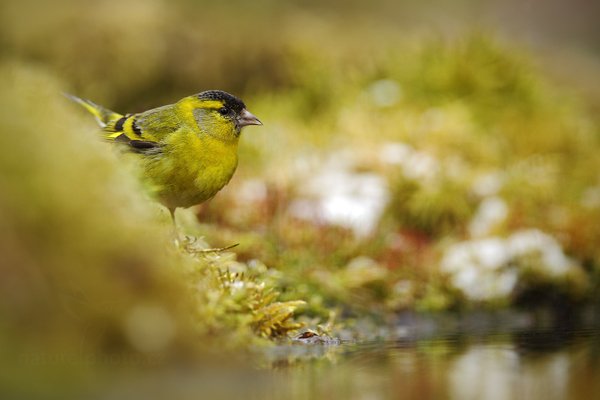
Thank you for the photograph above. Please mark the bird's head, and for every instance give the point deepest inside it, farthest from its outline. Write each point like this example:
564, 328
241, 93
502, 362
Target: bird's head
220, 114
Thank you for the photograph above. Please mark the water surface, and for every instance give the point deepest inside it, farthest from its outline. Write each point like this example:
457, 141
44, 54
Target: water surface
520, 364
548, 364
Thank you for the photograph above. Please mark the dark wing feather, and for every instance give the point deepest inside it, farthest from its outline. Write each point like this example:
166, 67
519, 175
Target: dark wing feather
145, 132
145, 146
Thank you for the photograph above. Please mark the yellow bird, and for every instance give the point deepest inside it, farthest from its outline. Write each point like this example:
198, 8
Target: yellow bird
187, 150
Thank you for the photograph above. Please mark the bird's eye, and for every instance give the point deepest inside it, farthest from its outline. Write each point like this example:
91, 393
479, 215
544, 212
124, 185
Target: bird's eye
223, 110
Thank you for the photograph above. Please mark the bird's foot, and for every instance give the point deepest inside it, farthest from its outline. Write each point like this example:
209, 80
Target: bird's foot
213, 250
192, 245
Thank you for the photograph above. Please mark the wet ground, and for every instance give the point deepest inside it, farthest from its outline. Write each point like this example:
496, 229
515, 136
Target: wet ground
481, 356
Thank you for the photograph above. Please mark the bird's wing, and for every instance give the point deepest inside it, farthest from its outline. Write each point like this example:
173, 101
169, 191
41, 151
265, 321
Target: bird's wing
144, 132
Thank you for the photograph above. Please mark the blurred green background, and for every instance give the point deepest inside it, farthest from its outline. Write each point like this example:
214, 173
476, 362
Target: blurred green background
429, 157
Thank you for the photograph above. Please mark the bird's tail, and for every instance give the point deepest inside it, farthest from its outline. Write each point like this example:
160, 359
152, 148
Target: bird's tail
104, 116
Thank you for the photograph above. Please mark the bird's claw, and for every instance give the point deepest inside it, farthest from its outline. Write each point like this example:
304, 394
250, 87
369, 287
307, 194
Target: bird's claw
211, 251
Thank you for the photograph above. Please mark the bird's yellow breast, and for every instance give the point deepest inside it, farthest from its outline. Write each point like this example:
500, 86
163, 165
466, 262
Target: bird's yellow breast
192, 168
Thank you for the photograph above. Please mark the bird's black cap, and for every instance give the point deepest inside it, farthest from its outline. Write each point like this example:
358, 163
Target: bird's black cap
229, 100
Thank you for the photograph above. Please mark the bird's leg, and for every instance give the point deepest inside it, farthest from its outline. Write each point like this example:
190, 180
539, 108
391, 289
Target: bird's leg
180, 240
187, 243
177, 240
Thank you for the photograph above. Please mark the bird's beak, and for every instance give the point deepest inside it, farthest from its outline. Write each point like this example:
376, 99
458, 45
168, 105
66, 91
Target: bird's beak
247, 118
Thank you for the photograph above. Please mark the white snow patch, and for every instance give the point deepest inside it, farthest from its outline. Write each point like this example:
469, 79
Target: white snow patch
534, 241
415, 164
485, 269
491, 212
337, 195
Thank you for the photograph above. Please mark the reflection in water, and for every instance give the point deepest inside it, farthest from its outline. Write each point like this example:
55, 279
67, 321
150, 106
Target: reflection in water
506, 367
535, 365
500, 373
484, 372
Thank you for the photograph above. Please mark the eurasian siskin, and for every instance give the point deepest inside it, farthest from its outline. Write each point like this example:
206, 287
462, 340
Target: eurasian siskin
187, 150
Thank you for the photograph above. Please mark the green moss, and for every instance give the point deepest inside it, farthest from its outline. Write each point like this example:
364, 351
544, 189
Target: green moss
92, 281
